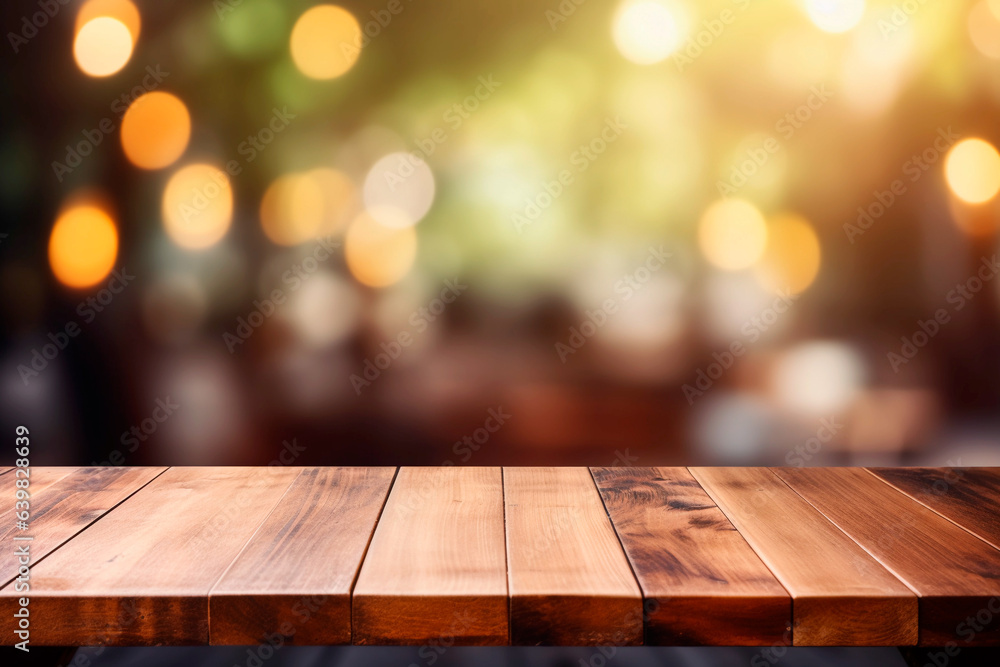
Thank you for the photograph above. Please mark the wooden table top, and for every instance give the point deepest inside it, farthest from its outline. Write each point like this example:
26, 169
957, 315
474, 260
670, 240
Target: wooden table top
496, 556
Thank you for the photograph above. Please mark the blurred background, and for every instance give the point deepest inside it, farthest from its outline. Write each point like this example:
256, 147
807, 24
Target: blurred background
407, 232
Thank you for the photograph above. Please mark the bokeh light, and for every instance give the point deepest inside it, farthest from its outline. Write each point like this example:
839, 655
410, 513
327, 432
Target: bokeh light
403, 182
197, 206
341, 200
83, 246
155, 130
984, 30
972, 170
646, 31
835, 15
732, 234
292, 209
792, 257
123, 10
378, 255
325, 42
819, 377
102, 46
325, 310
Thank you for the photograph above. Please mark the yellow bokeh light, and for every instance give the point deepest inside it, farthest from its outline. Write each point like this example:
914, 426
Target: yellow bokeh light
984, 30
83, 246
646, 31
155, 130
835, 15
291, 210
732, 234
102, 46
377, 255
123, 10
341, 200
792, 257
302, 206
197, 206
325, 42
972, 170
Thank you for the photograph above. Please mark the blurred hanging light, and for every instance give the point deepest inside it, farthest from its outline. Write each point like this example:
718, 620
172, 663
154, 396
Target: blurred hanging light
197, 206
835, 15
732, 234
379, 255
83, 246
984, 29
122, 10
155, 130
402, 182
972, 170
102, 46
325, 42
792, 258
646, 31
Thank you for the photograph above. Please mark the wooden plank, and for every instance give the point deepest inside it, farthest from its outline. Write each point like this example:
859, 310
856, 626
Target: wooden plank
294, 577
955, 573
702, 582
968, 496
39, 479
435, 570
841, 596
66, 506
142, 573
570, 582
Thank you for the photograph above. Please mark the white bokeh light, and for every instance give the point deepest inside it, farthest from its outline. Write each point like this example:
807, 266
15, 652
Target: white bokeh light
819, 377
403, 182
835, 15
646, 31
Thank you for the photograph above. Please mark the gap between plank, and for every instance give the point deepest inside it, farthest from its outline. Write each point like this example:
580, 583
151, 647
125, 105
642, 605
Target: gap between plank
791, 598
208, 595
103, 514
923, 504
851, 538
642, 593
364, 554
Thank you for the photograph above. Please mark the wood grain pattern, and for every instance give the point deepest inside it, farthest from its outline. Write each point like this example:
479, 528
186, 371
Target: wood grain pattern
955, 573
65, 506
968, 496
435, 569
294, 577
702, 582
841, 596
142, 573
570, 582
